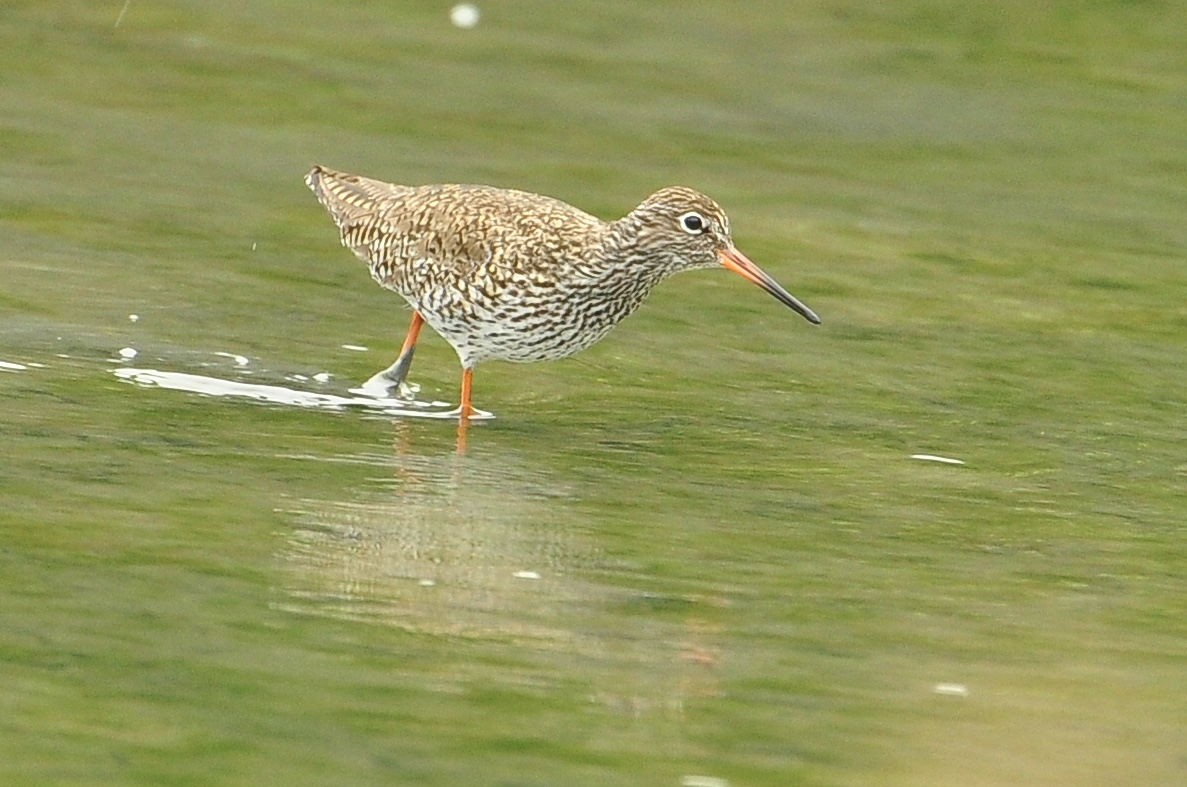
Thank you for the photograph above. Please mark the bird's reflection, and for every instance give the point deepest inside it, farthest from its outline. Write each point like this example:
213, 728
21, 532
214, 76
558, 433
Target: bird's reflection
445, 544
477, 546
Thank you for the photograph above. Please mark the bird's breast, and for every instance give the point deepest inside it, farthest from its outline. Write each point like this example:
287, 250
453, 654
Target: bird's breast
523, 318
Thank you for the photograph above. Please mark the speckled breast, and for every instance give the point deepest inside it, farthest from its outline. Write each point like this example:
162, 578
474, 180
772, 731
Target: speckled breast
525, 322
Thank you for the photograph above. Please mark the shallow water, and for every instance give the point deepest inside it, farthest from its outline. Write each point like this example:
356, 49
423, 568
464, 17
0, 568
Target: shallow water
282, 395
936, 540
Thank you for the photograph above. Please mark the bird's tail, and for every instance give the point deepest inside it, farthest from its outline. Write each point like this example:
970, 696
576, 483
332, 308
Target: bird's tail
348, 197
357, 206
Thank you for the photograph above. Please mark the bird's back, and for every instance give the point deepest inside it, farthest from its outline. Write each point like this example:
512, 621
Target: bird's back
421, 236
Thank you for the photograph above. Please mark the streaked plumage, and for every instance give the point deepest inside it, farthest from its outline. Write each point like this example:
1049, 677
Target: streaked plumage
514, 276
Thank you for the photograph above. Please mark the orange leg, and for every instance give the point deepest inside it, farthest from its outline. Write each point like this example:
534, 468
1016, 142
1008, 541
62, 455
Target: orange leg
466, 410
413, 333
399, 370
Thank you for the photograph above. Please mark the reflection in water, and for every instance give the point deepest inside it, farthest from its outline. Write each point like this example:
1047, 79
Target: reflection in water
443, 536
464, 547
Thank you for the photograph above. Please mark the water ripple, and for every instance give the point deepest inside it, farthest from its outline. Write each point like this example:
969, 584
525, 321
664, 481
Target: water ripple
276, 394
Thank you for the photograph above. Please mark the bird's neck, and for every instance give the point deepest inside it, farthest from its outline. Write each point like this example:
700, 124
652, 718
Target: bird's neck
612, 277
626, 259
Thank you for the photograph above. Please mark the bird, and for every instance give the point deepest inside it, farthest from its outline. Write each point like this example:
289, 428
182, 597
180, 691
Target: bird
508, 275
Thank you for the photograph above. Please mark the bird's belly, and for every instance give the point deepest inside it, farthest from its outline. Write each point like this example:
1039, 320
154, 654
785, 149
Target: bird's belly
520, 330
525, 340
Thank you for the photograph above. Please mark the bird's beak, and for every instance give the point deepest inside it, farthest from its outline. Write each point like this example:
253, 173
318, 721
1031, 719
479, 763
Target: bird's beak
736, 261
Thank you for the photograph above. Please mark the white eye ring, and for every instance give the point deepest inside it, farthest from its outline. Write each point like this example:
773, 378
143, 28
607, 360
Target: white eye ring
693, 223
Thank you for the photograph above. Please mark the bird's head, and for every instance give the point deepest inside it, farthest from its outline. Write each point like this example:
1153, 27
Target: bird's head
680, 229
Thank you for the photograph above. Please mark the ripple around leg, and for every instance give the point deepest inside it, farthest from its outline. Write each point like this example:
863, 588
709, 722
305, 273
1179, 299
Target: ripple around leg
475, 414
280, 395
380, 386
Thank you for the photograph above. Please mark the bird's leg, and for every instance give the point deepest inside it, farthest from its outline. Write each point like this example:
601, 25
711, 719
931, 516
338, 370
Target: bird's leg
399, 370
393, 376
466, 409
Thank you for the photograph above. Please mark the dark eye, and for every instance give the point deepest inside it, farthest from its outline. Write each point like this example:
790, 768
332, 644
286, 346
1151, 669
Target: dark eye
693, 223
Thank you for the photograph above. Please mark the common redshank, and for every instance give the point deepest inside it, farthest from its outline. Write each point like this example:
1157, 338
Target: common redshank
509, 275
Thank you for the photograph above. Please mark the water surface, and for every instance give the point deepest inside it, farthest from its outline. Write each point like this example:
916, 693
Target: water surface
706, 551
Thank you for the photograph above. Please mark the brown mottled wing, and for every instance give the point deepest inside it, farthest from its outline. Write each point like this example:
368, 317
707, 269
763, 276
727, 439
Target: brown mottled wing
417, 238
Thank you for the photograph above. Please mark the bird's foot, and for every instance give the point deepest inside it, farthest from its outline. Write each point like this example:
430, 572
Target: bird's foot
382, 386
407, 390
469, 414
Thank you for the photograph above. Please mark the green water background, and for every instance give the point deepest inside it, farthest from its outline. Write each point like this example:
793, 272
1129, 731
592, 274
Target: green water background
742, 573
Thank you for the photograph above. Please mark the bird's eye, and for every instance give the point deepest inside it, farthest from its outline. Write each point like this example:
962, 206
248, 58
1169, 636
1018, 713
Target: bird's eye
693, 223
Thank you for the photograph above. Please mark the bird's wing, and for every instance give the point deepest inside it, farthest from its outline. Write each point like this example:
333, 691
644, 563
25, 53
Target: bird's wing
448, 231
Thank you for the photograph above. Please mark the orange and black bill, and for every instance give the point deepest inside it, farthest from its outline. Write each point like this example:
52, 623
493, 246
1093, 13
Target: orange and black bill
736, 261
